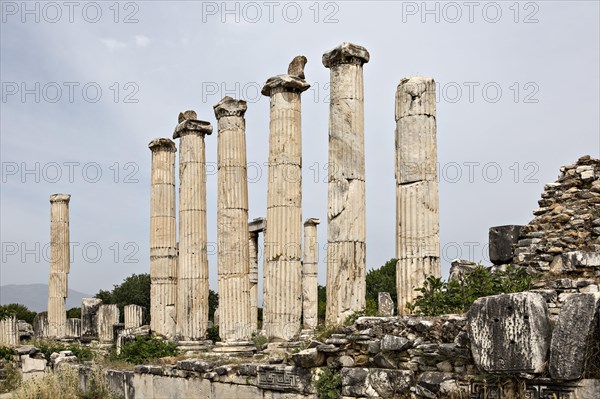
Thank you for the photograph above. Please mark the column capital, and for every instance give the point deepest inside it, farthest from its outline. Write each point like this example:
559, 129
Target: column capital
60, 198
287, 82
346, 53
230, 107
162, 144
312, 222
188, 124
257, 225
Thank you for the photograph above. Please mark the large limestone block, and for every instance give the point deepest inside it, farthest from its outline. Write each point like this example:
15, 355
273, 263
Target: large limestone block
29, 364
221, 390
573, 335
501, 242
510, 332
384, 383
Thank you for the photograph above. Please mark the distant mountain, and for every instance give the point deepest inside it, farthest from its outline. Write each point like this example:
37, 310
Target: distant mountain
35, 296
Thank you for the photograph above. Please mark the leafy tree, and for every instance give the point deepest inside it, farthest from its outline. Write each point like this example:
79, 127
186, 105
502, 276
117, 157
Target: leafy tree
20, 311
74, 313
134, 290
322, 303
213, 304
382, 280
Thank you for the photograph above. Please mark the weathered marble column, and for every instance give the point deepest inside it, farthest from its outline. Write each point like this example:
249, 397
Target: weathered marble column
282, 302
163, 238
59, 264
255, 227
310, 289
417, 216
346, 218
134, 316
253, 278
192, 261
232, 222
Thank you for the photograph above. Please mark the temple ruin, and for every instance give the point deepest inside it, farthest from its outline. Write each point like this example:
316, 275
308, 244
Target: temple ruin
538, 343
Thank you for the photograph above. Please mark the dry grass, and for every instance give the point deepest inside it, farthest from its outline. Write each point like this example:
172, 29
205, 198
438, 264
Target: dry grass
64, 384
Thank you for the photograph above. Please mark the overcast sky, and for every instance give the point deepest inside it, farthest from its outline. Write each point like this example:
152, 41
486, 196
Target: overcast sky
86, 86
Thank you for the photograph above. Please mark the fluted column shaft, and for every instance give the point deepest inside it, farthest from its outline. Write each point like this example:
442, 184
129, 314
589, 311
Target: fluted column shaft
310, 290
417, 215
163, 238
59, 264
134, 316
282, 305
192, 262
253, 279
232, 222
346, 218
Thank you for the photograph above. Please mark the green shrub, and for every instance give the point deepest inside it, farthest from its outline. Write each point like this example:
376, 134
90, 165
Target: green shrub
438, 297
146, 348
7, 353
259, 340
329, 384
47, 347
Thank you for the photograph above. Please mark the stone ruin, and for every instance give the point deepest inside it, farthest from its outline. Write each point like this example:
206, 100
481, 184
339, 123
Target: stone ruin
543, 343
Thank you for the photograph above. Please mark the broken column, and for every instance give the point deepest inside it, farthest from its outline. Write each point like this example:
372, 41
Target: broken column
417, 215
89, 317
232, 217
255, 227
310, 289
59, 264
282, 303
108, 316
192, 262
346, 217
163, 240
9, 332
134, 316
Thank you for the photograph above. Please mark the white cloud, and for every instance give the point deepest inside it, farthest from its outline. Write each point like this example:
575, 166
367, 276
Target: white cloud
113, 44
142, 41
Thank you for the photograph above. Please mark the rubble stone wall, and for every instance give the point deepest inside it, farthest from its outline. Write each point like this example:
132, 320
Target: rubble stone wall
567, 220
505, 345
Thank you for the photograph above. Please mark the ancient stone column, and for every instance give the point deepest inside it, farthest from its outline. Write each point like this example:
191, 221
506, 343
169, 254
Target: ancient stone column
310, 290
346, 218
282, 303
192, 268
232, 222
89, 317
255, 227
163, 240
253, 279
9, 332
108, 316
417, 215
134, 316
59, 264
